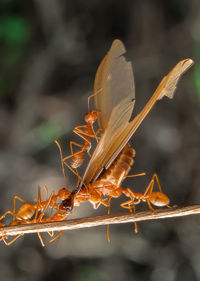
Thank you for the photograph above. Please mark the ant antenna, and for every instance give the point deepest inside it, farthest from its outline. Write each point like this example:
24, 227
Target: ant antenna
93, 95
61, 157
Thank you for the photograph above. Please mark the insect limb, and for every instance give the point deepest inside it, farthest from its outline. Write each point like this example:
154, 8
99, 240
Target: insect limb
5, 214
155, 177
8, 243
38, 204
104, 203
73, 171
149, 204
62, 162
93, 95
132, 210
45, 207
132, 202
41, 239
56, 237
136, 175
72, 151
81, 133
86, 137
108, 229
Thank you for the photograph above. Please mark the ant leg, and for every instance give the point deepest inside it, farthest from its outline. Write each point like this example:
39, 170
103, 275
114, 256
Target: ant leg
12, 240
150, 187
136, 175
129, 193
81, 133
135, 223
57, 236
108, 230
38, 204
155, 177
71, 148
72, 152
46, 206
63, 161
73, 171
132, 210
41, 239
148, 192
130, 202
39, 219
150, 207
5, 214
106, 204
13, 214
46, 189
35, 220
84, 136
42, 214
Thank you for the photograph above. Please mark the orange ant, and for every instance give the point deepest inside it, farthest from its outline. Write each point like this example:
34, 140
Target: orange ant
156, 198
108, 184
25, 213
86, 132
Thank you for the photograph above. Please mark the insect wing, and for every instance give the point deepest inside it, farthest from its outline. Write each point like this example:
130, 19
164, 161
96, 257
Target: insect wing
115, 83
114, 100
115, 137
166, 88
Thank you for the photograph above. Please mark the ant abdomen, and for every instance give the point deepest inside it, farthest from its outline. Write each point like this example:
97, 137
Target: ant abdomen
159, 199
77, 160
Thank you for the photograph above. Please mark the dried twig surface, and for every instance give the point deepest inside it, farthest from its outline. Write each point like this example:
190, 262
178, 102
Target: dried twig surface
100, 220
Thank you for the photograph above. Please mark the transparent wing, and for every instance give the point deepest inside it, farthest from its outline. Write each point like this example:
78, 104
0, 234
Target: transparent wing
115, 79
115, 138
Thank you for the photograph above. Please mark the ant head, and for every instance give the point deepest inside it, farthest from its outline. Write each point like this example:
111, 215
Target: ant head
91, 117
68, 204
64, 193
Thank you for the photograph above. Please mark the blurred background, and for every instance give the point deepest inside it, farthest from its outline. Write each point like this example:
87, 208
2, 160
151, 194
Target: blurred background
49, 53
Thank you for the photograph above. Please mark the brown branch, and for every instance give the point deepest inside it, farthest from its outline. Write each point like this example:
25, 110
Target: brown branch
100, 220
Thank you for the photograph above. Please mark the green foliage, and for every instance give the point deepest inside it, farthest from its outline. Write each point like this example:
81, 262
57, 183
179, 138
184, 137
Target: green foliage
48, 132
15, 35
14, 30
197, 79
196, 72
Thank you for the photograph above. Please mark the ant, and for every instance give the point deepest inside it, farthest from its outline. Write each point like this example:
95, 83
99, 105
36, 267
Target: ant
25, 214
156, 198
86, 132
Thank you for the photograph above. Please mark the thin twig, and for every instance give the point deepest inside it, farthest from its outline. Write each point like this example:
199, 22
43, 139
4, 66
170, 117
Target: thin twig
100, 220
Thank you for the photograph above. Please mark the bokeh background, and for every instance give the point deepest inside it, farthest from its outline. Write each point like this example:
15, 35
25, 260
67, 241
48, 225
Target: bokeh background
49, 53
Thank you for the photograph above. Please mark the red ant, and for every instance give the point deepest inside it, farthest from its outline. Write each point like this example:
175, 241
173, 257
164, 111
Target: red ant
157, 198
108, 184
86, 132
25, 213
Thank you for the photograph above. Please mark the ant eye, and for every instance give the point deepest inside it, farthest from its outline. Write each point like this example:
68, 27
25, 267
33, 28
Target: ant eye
68, 210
